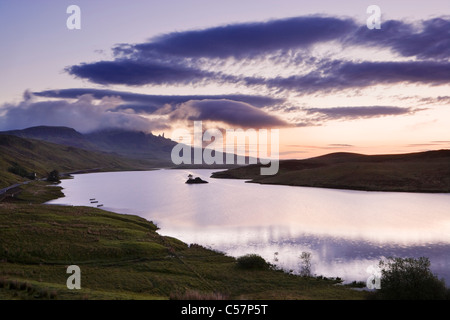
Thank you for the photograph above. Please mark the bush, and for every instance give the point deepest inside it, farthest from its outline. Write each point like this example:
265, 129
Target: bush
17, 169
252, 262
53, 176
410, 279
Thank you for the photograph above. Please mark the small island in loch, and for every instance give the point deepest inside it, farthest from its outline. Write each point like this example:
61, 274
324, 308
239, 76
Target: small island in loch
192, 180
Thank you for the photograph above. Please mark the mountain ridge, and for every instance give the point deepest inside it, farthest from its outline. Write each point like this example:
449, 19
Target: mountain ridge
133, 144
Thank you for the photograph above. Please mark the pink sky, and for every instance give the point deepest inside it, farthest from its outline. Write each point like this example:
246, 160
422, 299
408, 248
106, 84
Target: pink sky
414, 115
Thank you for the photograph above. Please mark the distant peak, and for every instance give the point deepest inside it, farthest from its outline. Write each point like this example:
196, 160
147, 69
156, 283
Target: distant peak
50, 128
44, 130
339, 155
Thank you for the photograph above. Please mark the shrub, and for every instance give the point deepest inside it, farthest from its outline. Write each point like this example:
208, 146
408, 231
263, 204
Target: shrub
410, 279
252, 262
53, 176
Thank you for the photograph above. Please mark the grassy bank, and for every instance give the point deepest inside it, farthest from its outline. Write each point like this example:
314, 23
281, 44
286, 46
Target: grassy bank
124, 257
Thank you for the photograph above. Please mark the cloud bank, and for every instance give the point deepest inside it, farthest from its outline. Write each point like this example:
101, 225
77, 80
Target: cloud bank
235, 113
88, 110
188, 57
85, 114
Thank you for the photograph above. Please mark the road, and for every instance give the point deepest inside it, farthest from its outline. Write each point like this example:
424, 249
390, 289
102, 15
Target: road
4, 191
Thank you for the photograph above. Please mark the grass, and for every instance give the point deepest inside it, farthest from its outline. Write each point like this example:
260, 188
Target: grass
124, 257
36, 192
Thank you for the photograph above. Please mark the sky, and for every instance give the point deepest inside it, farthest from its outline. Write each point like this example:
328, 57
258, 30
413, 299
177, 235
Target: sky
314, 70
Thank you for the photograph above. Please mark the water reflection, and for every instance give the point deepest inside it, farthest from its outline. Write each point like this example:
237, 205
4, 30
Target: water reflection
346, 231
331, 256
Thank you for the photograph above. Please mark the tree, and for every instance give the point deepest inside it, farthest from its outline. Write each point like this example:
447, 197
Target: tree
305, 264
53, 176
410, 279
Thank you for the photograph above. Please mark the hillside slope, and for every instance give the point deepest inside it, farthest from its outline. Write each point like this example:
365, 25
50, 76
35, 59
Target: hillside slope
414, 172
131, 144
29, 155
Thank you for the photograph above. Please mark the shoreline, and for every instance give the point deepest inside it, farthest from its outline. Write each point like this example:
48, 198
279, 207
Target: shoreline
182, 234
344, 188
101, 233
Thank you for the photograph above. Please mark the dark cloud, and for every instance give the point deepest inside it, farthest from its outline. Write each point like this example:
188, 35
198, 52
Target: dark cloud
330, 76
83, 114
349, 113
428, 40
188, 57
235, 113
146, 103
242, 40
137, 73
340, 75
167, 59
436, 100
425, 39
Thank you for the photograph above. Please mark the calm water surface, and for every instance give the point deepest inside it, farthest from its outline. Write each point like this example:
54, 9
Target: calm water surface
345, 231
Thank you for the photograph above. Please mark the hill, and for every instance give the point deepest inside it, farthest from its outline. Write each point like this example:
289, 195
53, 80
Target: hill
413, 172
20, 157
131, 144
126, 143
58, 135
